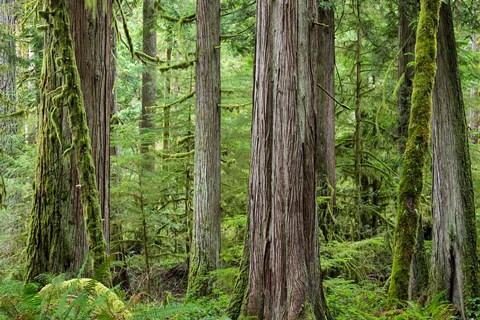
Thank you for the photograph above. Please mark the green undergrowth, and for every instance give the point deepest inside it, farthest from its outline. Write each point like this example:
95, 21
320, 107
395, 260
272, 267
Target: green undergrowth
367, 300
360, 260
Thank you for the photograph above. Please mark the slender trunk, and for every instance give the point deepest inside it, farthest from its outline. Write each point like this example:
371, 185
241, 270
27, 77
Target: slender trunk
205, 253
454, 258
407, 13
358, 120
411, 180
166, 109
149, 76
7, 75
326, 122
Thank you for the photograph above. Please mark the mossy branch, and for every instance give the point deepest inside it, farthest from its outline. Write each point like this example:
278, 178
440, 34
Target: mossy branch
179, 100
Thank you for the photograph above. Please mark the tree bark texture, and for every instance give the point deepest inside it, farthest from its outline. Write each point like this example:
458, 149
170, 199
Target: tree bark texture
284, 274
411, 179
205, 250
93, 38
7, 74
407, 13
149, 74
50, 241
326, 178
454, 258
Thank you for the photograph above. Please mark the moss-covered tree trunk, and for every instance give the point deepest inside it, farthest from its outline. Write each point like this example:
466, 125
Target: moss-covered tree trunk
407, 13
7, 73
454, 258
411, 179
49, 241
205, 249
326, 179
284, 280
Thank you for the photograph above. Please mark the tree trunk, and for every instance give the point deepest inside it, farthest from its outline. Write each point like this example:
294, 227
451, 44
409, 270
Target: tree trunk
284, 275
205, 250
149, 75
411, 179
454, 258
407, 13
50, 241
7, 74
326, 179
358, 123
93, 36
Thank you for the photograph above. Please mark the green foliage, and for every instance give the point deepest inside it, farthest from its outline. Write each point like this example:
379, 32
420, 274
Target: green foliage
367, 301
179, 311
81, 299
18, 301
356, 260
436, 308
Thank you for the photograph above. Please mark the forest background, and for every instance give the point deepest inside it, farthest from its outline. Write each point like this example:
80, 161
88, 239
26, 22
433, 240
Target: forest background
152, 148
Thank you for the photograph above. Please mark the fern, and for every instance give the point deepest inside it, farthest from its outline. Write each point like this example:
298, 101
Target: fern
18, 301
354, 260
178, 311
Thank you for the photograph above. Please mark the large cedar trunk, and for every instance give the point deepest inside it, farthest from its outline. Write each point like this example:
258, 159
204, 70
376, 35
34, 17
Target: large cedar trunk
205, 250
94, 52
49, 248
407, 13
326, 180
284, 275
454, 258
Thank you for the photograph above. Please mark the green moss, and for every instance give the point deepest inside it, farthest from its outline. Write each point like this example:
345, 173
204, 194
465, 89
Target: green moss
61, 90
411, 181
199, 280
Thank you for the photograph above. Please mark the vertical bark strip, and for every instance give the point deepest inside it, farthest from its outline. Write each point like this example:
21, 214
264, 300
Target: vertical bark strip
94, 53
7, 74
326, 179
284, 276
407, 12
149, 74
454, 258
205, 254
358, 119
411, 179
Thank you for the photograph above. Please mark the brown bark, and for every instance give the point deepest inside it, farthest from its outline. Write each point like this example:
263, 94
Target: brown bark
149, 75
205, 250
94, 52
326, 179
50, 244
284, 274
7, 74
454, 258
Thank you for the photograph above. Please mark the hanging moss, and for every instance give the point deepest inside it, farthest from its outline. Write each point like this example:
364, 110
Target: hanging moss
411, 180
61, 90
